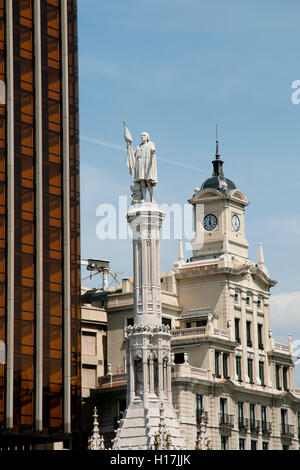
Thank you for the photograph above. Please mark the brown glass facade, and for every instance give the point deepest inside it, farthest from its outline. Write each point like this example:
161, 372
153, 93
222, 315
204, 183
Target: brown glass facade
49, 239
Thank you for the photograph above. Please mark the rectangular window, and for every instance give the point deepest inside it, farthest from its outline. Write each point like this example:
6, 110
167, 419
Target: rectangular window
240, 415
265, 446
250, 370
247, 300
223, 443
252, 412
225, 366
167, 322
260, 337
201, 323
277, 373
89, 343
259, 303
249, 341
284, 378
89, 377
179, 358
242, 444
188, 324
238, 368
198, 402
237, 329
263, 414
261, 373
223, 406
253, 445
236, 297
217, 368
130, 321
241, 410
198, 407
283, 415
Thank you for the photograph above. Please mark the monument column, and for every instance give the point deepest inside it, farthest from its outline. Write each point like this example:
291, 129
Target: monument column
148, 341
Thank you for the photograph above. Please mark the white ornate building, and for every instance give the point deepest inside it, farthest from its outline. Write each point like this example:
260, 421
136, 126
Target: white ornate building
225, 360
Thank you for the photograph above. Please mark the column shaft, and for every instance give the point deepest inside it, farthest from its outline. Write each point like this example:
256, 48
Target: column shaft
66, 215
39, 220
10, 216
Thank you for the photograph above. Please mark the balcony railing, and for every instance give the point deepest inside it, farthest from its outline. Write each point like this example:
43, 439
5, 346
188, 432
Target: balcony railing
198, 330
198, 416
287, 429
266, 427
281, 347
226, 420
243, 424
254, 425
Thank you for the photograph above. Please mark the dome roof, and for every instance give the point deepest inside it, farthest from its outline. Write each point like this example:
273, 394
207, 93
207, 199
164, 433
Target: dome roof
218, 180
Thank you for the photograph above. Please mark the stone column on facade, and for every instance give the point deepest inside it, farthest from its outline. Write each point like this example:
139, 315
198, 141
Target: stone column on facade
244, 338
131, 378
165, 378
151, 376
145, 372
160, 376
255, 341
169, 381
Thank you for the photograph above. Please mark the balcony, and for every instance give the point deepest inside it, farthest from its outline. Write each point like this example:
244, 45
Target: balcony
226, 420
287, 430
198, 416
198, 331
254, 426
266, 427
243, 424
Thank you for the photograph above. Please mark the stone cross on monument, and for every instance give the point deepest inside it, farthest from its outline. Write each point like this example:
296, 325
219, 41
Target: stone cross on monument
148, 356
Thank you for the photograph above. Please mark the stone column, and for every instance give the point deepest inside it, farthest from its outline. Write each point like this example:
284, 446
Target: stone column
243, 330
131, 378
169, 382
145, 373
160, 375
255, 341
151, 377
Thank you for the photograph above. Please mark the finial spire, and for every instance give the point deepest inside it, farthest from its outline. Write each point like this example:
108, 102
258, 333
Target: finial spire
217, 163
261, 261
96, 441
225, 243
217, 144
180, 257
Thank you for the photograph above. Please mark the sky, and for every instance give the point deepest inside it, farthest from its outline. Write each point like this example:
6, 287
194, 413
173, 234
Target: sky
176, 69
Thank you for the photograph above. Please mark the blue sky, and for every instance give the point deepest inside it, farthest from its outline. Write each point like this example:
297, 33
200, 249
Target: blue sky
175, 69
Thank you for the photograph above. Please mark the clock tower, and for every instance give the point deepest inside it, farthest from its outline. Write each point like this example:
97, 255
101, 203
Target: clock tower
219, 210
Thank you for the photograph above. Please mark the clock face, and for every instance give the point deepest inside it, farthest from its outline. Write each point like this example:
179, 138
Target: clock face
236, 224
210, 222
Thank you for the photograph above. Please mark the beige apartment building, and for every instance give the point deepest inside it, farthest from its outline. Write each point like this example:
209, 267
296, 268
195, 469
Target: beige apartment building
225, 360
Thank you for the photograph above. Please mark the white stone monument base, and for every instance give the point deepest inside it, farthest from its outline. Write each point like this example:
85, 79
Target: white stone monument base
139, 426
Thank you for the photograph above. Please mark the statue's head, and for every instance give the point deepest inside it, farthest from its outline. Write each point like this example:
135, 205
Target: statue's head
145, 137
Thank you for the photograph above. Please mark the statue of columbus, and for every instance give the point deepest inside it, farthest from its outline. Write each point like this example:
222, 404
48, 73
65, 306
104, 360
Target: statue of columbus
142, 162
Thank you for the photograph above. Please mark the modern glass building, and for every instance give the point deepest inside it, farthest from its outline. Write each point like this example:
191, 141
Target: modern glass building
39, 223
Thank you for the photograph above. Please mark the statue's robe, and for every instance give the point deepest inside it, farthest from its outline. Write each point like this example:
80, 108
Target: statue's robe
145, 163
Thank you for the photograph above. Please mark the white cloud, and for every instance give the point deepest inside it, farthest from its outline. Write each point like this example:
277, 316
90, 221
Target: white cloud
285, 313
